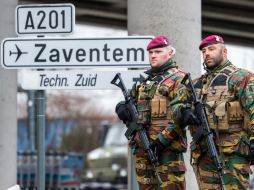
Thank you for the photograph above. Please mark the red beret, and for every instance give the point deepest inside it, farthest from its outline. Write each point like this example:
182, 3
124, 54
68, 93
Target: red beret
213, 39
157, 42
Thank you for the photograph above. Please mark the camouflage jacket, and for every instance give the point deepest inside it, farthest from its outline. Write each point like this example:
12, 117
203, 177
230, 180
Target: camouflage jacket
159, 98
236, 87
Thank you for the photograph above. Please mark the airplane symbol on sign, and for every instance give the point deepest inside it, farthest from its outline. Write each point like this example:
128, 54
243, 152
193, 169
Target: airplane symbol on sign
18, 52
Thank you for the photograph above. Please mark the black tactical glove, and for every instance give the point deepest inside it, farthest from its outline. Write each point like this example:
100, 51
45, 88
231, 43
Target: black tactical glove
123, 112
189, 118
251, 152
157, 147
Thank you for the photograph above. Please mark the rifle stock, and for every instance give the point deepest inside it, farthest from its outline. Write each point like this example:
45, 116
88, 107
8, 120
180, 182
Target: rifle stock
135, 127
207, 133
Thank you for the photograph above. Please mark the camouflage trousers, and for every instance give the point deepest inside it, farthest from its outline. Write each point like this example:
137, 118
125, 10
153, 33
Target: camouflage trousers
236, 173
172, 173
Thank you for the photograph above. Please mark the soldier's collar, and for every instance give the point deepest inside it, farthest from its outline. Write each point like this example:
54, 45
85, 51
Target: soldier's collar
162, 69
217, 69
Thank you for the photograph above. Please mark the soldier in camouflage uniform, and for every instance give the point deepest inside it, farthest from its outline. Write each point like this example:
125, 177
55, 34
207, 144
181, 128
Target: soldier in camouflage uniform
227, 93
156, 97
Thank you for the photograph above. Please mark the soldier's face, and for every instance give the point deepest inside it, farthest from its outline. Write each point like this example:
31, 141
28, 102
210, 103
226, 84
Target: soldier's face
158, 56
214, 55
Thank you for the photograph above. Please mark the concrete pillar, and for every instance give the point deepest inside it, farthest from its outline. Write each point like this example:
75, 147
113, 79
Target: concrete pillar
8, 103
181, 22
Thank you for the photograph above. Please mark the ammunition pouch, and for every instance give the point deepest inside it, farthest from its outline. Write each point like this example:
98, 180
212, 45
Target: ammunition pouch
145, 94
226, 116
158, 108
234, 112
154, 111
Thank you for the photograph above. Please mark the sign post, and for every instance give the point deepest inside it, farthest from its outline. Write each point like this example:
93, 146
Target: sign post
40, 121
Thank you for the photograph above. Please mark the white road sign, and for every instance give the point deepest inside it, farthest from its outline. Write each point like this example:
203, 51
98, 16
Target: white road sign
74, 52
77, 79
45, 18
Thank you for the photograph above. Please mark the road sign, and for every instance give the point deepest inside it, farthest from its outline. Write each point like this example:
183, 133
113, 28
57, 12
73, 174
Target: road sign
45, 18
77, 79
74, 52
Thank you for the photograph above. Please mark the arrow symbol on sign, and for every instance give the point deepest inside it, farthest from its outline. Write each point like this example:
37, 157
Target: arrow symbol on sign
18, 53
140, 79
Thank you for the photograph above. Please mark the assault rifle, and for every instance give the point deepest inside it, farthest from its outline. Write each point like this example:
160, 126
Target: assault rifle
135, 127
206, 133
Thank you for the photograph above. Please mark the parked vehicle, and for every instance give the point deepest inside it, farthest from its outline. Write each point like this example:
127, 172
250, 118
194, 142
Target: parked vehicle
109, 162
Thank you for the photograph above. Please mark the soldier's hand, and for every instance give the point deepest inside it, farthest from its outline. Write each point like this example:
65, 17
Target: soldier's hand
123, 112
132, 142
189, 118
251, 152
135, 141
157, 147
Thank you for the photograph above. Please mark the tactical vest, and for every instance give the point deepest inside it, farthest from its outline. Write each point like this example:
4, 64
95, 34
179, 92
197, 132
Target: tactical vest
224, 112
152, 104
